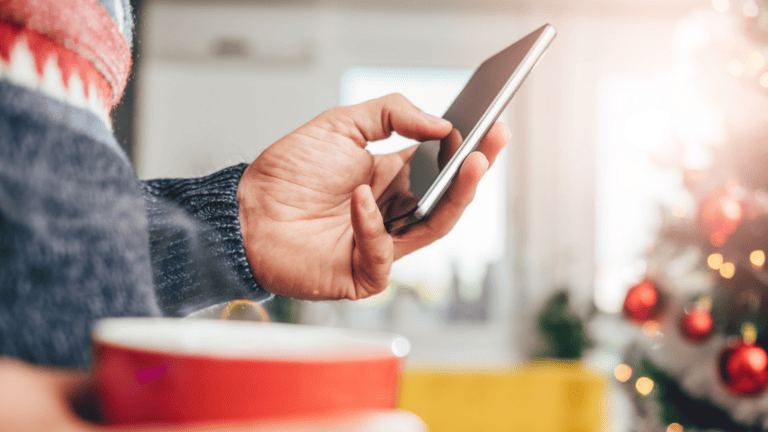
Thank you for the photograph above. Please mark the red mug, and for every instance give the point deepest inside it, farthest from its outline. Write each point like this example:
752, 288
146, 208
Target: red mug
168, 370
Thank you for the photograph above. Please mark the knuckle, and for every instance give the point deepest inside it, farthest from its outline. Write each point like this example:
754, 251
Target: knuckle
330, 112
396, 98
337, 115
382, 257
333, 115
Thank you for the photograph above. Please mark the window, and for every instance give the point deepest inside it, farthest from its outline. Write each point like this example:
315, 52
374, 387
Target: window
454, 279
650, 130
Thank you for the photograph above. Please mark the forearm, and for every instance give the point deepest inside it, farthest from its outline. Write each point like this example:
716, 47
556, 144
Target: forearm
196, 243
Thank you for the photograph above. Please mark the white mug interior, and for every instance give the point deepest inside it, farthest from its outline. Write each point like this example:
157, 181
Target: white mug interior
248, 340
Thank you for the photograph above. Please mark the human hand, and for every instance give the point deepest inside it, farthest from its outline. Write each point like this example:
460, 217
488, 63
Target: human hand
34, 399
310, 224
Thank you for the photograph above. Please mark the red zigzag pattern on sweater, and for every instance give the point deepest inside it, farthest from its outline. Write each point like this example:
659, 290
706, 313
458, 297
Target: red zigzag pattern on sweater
82, 26
43, 49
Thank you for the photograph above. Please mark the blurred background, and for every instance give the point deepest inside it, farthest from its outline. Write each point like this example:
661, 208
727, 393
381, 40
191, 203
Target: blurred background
571, 206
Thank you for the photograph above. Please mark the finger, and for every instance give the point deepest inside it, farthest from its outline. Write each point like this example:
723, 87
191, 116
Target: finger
494, 141
373, 252
68, 383
58, 378
378, 118
448, 210
491, 145
77, 388
387, 168
35, 395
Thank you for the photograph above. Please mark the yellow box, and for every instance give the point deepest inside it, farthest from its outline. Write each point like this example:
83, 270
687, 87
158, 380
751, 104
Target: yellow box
538, 396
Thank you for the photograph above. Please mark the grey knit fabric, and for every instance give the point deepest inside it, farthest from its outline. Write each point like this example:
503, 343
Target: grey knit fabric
77, 226
198, 261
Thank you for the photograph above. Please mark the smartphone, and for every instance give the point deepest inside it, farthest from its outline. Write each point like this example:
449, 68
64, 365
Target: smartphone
420, 184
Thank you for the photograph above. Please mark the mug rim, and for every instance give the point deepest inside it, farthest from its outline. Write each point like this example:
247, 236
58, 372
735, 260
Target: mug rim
246, 340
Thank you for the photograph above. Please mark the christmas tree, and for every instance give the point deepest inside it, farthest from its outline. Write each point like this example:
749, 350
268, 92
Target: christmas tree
700, 361
561, 330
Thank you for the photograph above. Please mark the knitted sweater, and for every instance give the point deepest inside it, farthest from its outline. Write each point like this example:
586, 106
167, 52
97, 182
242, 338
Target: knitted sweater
81, 237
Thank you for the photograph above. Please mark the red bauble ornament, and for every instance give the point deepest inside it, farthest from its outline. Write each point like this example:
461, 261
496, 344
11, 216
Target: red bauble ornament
643, 302
719, 215
744, 369
697, 325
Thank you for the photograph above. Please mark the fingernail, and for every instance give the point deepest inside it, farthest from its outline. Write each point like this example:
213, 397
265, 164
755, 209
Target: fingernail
369, 204
433, 119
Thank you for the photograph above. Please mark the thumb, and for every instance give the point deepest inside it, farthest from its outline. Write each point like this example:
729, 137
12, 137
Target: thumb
378, 118
373, 253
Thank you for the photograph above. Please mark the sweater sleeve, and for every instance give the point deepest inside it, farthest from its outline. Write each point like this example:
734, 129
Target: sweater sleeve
196, 246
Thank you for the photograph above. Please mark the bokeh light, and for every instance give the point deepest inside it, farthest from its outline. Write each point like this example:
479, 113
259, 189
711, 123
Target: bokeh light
750, 9
714, 261
732, 208
705, 302
644, 386
675, 427
244, 310
755, 62
764, 80
757, 258
651, 328
622, 372
401, 347
727, 270
749, 333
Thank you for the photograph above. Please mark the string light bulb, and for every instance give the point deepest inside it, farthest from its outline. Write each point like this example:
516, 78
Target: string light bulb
644, 386
757, 258
756, 60
749, 333
651, 328
704, 302
714, 261
622, 373
675, 427
764, 80
727, 270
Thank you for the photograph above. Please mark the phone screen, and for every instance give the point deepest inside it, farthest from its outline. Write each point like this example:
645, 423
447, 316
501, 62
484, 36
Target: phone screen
411, 184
